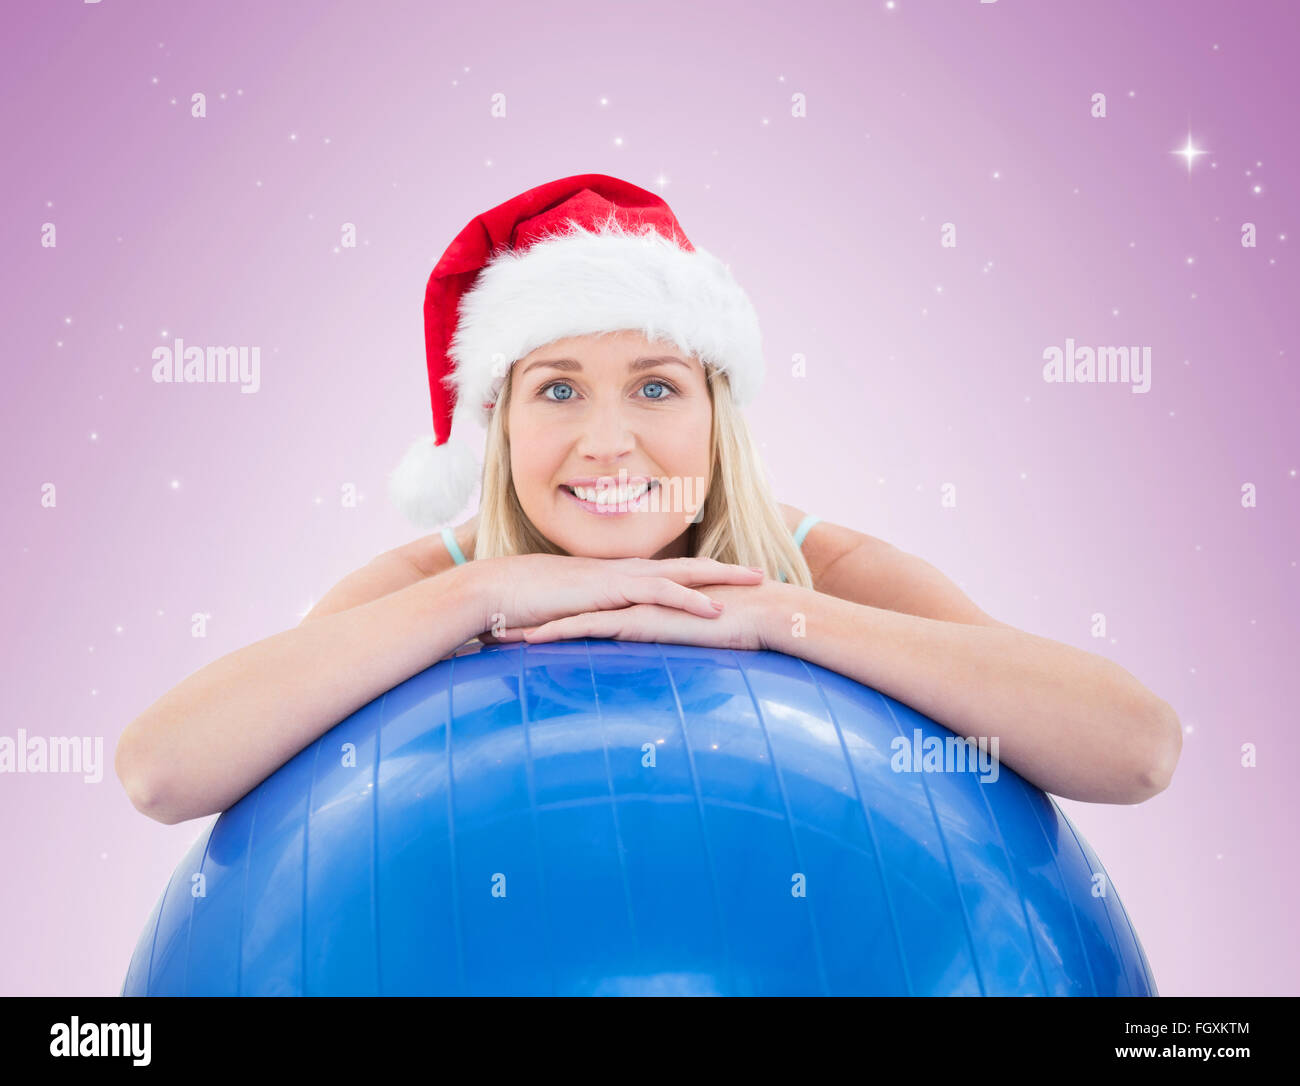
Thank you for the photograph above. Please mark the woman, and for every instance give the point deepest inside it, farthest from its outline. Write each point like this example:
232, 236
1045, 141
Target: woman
622, 497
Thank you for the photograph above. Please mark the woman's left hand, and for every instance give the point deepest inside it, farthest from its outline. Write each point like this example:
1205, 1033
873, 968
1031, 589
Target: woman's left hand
743, 623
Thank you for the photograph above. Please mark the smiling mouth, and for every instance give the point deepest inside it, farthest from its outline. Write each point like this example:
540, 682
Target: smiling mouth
611, 500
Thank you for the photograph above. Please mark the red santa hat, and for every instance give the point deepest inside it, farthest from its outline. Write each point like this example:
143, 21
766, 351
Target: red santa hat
578, 256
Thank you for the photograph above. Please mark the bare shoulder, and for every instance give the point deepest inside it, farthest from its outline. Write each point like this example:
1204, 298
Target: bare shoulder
826, 542
429, 553
861, 568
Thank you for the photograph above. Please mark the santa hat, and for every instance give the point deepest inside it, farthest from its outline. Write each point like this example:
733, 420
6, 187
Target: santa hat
573, 257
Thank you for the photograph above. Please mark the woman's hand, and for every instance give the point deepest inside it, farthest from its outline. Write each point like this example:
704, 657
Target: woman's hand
743, 623
528, 590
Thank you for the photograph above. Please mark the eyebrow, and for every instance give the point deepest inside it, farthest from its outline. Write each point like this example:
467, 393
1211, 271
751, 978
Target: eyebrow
573, 364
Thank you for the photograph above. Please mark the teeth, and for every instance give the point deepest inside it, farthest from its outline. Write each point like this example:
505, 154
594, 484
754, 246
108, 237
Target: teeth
610, 495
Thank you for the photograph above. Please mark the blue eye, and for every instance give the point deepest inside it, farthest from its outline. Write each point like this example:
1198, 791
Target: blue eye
654, 384
558, 384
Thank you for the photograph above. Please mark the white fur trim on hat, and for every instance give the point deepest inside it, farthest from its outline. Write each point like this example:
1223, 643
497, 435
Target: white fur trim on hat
433, 483
584, 282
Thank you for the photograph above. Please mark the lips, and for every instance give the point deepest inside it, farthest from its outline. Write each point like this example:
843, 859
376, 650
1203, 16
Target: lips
615, 501
606, 481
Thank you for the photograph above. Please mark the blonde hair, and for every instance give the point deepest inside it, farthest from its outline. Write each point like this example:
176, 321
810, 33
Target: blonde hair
739, 522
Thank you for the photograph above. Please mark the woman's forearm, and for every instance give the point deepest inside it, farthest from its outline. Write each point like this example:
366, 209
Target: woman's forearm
1073, 723
220, 732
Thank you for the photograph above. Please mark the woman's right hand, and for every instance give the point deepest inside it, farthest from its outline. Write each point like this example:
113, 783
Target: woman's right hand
529, 589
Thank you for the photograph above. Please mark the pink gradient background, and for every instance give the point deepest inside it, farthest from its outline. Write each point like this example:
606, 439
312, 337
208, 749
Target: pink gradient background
1071, 498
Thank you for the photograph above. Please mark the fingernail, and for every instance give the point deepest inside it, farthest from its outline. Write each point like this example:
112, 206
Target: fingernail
716, 605
757, 569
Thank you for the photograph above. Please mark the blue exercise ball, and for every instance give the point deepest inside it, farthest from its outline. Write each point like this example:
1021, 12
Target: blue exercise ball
615, 818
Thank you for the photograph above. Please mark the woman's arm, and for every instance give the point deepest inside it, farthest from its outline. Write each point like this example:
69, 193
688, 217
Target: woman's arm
211, 739
1075, 724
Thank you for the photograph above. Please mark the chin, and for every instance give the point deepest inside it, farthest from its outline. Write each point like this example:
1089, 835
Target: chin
616, 545
614, 549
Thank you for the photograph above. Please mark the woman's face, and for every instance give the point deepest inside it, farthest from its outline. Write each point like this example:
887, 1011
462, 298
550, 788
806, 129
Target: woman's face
609, 415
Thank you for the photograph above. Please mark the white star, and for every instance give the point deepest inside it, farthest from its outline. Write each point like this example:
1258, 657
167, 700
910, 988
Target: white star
1189, 152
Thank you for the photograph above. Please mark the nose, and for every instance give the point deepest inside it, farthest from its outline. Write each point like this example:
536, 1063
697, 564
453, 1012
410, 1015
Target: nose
606, 438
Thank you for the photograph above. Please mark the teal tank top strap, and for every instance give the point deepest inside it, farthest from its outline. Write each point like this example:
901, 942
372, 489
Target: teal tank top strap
801, 532
453, 548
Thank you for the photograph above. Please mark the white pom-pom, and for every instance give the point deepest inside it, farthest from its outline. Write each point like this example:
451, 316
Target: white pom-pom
434, 482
